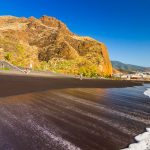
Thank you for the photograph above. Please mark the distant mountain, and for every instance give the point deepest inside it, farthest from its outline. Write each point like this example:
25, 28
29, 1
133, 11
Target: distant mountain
128, 67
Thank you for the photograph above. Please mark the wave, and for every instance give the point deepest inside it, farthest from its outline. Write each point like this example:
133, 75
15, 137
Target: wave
147, 92
143, 140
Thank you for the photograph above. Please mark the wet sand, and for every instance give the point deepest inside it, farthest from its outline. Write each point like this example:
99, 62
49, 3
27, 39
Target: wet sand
20, 84
38, 113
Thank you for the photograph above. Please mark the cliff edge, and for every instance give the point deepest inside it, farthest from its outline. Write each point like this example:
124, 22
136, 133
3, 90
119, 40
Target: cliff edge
48, 44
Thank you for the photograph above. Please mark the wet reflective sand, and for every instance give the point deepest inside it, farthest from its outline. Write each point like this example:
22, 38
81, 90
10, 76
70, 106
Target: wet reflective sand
71, 118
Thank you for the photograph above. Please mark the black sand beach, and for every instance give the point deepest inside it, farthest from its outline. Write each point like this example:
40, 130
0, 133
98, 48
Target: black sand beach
56, 113
21, 84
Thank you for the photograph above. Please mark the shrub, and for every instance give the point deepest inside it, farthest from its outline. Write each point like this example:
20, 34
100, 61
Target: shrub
8, 56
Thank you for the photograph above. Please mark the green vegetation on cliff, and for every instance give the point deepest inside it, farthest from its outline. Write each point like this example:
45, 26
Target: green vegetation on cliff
49, 45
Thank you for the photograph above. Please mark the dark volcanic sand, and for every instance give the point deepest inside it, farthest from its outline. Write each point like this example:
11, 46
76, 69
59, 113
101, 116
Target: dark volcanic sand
69, 114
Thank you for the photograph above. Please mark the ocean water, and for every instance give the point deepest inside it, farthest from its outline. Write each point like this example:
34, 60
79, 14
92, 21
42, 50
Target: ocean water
143, 140
76, 119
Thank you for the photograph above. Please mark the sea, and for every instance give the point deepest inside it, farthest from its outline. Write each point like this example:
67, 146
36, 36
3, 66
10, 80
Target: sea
76, 119
143, 139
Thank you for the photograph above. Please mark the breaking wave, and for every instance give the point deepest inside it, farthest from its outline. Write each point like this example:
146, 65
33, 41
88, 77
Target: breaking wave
143, 140
147, 92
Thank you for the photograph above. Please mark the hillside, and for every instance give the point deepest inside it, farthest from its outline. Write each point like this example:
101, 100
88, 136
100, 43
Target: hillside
48, 44
128, 67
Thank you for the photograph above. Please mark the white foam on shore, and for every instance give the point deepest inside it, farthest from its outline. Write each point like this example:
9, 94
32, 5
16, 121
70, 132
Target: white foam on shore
143, 140
147, 92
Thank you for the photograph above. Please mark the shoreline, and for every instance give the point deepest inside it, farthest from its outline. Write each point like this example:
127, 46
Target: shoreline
53, 74
16, 84
142, 140
71, 106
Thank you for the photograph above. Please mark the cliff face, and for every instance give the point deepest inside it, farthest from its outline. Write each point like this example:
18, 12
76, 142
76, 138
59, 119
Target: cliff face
48, 42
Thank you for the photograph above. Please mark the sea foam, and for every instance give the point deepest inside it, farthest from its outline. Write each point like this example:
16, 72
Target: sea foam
143, 140
147, 92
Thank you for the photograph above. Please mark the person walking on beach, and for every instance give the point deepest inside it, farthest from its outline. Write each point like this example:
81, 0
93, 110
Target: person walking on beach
2, 65
81, 76
30, 66
28, 70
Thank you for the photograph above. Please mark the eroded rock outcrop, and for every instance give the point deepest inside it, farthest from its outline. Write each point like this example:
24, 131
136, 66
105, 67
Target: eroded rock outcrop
47, 39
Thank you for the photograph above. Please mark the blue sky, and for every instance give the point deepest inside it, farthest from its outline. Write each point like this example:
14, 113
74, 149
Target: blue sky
123, 25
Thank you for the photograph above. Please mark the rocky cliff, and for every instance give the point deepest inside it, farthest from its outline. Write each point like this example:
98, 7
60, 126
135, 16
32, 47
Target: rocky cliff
48, 44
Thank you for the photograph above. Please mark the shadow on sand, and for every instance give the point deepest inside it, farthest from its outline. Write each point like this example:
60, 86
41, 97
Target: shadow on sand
14, 84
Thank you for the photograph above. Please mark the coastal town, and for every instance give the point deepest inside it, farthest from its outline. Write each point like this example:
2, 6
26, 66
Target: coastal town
133, 76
